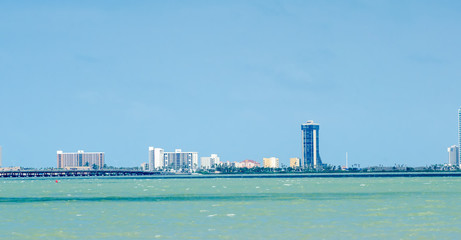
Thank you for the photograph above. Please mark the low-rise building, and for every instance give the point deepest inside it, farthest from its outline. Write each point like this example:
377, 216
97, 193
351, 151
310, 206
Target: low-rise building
145, 166
10, 168
230, 164
77, 168
249, 164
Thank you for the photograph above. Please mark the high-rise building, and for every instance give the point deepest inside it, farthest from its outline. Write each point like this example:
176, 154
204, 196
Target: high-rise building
311, 155
294, 162
453, 156
209, 162
177, 160
80, 159
459, 132
271, 162
156, 158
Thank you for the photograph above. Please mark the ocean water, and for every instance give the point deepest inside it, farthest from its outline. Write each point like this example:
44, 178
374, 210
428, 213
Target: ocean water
276, 208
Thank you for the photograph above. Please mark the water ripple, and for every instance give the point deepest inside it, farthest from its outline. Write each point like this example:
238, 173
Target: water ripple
206, 197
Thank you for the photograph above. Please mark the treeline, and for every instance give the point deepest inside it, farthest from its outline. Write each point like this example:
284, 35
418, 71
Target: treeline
327, 169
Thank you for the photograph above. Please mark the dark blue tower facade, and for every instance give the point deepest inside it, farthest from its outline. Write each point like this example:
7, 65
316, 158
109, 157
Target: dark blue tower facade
311, 155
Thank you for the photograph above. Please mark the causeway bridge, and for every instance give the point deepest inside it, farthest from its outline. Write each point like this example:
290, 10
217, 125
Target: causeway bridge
76, 173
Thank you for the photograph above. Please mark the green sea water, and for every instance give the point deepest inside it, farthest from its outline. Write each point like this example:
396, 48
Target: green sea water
258, 208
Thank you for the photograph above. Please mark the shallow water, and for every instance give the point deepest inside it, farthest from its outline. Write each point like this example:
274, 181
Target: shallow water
279, 208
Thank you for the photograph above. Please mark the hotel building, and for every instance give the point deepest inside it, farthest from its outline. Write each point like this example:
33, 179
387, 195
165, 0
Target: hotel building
80, 159
209, 162
177, 160
271, 162
311, 155
453, 156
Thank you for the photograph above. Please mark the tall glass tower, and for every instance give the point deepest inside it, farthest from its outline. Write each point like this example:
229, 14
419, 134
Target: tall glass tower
311, 156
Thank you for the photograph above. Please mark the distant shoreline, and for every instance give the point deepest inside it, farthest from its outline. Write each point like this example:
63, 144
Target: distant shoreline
253, 175
315, 175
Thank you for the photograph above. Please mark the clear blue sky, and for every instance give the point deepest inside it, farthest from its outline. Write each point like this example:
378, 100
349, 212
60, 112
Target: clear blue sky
236, 78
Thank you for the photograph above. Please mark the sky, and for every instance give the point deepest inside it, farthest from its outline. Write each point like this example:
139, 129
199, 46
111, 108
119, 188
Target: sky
235, 78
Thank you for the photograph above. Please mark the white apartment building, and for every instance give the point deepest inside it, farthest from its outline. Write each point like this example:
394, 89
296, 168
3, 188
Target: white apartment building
209, 162
177, 160
156, 158
453, 154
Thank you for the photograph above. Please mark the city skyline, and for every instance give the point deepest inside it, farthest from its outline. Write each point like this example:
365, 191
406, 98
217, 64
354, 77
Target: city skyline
201, 119
234, 78
158, 159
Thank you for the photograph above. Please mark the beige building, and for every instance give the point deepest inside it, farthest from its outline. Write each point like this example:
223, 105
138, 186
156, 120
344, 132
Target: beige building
294, 162
271, 162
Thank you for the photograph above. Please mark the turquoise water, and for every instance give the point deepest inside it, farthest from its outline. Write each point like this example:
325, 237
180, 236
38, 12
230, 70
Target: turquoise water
280, 208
